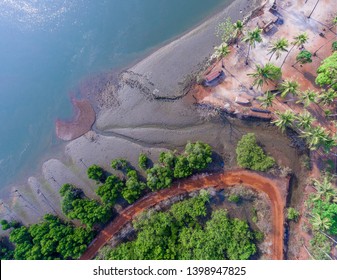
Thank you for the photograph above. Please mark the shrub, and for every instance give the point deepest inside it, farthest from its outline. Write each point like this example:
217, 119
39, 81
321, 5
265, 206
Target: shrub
96, 173
120, 164
198, 154
110, 190
334, 46
159, 177
143, 161
250, 155
133, 187
293, 214
234, 198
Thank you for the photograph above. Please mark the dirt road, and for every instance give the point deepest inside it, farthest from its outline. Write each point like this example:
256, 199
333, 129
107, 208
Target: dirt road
218, 181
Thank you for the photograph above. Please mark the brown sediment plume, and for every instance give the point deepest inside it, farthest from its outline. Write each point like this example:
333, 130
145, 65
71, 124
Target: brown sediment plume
275, 189
82, 123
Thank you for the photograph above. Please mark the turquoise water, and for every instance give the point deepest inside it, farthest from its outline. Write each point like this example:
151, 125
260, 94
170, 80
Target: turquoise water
48, 47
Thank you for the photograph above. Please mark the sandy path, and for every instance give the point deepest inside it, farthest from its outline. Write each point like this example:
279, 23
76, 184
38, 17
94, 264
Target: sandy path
218, 181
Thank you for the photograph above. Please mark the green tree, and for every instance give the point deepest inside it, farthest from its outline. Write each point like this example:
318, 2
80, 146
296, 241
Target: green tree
225, 30
304, 120
96, 173
221, 52
167, 158
327, 72
69, 193
159, 177
266, 73
267, 99
251, 38
334, 46
278, 47
298, 41
250, 154
110, 190
133, 187
284, 120
289, 87
293, 214
182, 168
143, 161
307, 97
120, 164
303, 57
327, 97
238, 31
198, 154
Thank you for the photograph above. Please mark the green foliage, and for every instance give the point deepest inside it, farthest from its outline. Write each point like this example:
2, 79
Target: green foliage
90, 212
6, 253
304, 57
183, 233
159, 177
50, 239
234, 198
250, 155
75, 206
69, 193
334, 46
120, 164
226, 30
264, 74
319, 246
143, 161
324, 216
133, 187
293, 214
96, 173
198, 154
5, 225
110, 190
167, 158
327, 72
182, 168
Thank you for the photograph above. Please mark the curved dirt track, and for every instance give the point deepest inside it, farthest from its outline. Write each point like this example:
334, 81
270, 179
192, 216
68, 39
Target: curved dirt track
218, 181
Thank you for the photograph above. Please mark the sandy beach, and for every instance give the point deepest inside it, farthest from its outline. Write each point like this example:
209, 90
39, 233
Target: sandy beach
145, 112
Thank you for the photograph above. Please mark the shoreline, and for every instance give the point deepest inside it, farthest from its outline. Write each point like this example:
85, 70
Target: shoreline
139, 112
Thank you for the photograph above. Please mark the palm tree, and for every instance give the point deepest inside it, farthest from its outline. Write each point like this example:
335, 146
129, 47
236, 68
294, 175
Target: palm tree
289, 87
314, 136
324, 189
305, 120
262, 75
284, 120
238, 31
267, 99
298, 41
278, 47
221, 52
252, 37
320, 224
327, 97
307, 97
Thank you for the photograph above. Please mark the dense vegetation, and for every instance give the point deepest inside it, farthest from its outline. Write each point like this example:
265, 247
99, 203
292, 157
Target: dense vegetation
55, 239
186, 231
250, 154
322, 211
50, 239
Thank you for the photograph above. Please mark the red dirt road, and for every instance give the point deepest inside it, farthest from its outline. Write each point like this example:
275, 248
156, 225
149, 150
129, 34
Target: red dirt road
219, 181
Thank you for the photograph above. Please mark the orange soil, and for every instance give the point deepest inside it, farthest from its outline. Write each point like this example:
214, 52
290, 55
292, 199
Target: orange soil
272, 188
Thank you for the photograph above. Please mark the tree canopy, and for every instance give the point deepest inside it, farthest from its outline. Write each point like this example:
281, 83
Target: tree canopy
251, 155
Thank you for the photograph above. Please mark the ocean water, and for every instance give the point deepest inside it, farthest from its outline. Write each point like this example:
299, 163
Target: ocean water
48, 46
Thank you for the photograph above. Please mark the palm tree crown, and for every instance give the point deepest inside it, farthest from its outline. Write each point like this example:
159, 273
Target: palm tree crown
307, 97
300, 40
267, 99
328, 97
305, 120
252, 37
289, 87
278, 47
262, 75
284, 120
